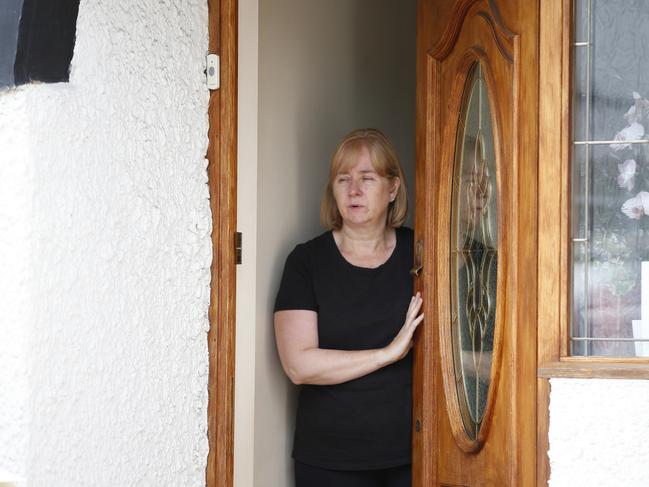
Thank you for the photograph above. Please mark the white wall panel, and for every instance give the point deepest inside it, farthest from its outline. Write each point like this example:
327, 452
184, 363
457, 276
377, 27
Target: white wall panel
107, 239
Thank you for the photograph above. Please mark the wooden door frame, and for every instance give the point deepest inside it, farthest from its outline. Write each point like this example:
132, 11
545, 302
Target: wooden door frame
554, 306
222, 182
222, 178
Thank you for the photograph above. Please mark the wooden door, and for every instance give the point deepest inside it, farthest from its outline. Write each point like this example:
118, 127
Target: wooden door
475, 356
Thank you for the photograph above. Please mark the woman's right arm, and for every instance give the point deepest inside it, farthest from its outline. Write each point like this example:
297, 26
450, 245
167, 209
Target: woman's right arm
304, 362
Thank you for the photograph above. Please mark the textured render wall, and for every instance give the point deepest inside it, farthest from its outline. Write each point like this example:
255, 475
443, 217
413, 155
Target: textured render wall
16, 276
598, 433
325, 68
104, 228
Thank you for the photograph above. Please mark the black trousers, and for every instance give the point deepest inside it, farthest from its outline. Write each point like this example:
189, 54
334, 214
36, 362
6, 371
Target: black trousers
309, 476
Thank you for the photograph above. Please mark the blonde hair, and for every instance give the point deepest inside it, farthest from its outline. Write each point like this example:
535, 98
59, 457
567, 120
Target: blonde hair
385, 163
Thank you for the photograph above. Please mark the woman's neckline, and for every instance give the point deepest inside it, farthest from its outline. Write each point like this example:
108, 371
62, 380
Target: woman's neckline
362, 268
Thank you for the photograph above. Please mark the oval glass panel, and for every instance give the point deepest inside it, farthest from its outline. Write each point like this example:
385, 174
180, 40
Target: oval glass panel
473, 249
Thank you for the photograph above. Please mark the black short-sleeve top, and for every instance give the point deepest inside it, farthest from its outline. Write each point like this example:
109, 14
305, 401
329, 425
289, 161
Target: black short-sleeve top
364, 423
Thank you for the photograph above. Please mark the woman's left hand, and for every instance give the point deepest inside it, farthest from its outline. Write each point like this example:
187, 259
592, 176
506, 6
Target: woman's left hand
402, 343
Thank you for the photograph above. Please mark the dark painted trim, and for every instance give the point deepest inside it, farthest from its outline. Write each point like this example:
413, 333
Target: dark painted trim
46, 41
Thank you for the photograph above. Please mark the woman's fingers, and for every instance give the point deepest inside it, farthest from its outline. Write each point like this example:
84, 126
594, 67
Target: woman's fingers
412, 325
418, 320
414, 308
412, 322
403, 342
415, 305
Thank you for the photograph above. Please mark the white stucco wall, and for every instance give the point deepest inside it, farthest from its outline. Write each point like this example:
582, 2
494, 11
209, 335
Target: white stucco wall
598, 433
15, 283
105, 255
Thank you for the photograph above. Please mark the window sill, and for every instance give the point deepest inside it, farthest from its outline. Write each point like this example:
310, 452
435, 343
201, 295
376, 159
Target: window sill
595, 368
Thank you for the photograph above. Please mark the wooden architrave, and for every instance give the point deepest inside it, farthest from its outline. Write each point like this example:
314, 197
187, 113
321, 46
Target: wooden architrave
425, 361
554, 86
554, 193
222, 182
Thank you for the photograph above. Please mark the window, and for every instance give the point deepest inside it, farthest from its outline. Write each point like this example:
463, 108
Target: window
610, 178
592, 233
36, 40
10, 11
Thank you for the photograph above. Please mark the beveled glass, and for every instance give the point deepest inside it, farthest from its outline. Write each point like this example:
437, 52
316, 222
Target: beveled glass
473, 259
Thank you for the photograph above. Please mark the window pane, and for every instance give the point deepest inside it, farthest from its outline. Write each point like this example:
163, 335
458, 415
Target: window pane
610, 178
9, 20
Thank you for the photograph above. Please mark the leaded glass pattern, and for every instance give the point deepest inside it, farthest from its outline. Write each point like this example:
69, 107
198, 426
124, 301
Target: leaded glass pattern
610, 178
473, 258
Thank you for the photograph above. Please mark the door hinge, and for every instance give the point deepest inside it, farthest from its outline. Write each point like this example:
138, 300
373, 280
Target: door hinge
213, 71
238, 238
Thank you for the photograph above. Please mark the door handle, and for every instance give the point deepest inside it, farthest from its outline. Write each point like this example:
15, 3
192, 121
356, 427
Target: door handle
416, 270
419, 266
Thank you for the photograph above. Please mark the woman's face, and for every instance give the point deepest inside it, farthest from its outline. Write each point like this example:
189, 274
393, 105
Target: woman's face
362, 195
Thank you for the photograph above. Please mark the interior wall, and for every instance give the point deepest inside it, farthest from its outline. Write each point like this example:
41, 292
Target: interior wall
325, 67
246, 301
105, 254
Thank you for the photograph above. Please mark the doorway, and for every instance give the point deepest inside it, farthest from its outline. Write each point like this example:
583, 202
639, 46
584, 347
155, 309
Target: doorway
323, 68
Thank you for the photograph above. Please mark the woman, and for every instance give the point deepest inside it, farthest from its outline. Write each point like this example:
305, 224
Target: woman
344, 321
